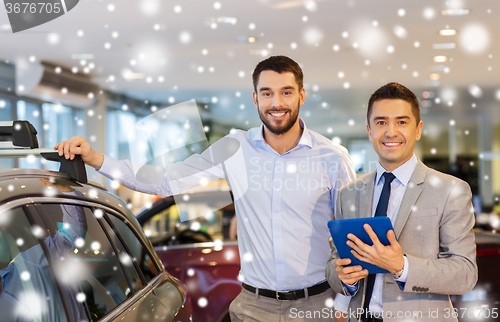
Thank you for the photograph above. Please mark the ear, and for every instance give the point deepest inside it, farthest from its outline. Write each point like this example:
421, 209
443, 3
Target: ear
255, 99
419, 130
369, 131
302, 94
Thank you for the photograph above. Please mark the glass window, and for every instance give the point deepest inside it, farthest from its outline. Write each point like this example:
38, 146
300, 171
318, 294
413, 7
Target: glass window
86, 261
27, 283
6, 115
126, 259
118, 127
31, 112
139, 253
5, 110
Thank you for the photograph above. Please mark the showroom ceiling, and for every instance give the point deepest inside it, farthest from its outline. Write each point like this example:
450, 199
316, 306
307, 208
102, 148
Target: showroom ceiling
178, 50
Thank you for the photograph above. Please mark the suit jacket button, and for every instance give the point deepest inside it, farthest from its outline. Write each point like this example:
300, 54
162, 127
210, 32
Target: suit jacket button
414, 288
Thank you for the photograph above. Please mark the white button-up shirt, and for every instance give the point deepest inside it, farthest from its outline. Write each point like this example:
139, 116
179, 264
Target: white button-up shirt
283, 202
398, 188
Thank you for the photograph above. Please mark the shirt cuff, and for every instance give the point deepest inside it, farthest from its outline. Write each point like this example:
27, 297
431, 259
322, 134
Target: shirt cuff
404, 277
351, 289
341, 303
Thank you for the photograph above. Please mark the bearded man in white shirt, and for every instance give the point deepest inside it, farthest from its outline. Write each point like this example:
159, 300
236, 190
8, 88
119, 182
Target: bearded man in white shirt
293, 176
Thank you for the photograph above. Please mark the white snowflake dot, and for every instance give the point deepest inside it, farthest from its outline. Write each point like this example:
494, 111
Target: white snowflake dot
202, 302
79, 242
247, 257
98, 213
25, 276
80, 297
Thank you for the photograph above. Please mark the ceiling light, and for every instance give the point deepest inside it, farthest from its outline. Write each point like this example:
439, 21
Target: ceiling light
447, 32
132, 75
447, 45
82, 56
252, 39
440, 59
229, 20
435, 77
260, 52
455, 12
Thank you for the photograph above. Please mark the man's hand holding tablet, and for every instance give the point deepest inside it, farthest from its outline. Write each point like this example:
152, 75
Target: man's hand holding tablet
365, 246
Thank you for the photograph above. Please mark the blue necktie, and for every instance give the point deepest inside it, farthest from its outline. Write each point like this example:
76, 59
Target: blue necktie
381, 210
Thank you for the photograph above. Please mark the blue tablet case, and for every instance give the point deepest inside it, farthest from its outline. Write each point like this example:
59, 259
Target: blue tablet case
340, 228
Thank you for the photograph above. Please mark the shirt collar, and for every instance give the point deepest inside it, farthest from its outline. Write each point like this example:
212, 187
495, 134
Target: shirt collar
305, 139
403, 173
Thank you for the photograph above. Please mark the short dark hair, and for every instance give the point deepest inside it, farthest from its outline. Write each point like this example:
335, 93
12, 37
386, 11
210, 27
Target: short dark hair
279, 64
394, 91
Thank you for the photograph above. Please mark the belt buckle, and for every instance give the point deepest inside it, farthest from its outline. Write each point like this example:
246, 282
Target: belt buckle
278, 296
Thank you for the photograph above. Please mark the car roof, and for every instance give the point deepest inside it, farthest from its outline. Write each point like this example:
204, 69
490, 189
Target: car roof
28, 183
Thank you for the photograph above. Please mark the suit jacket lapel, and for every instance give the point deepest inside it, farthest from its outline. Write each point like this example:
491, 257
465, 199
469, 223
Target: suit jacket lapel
366, 194
412, 193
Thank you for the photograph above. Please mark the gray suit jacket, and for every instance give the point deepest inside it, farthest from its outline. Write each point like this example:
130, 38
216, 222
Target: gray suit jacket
434, 227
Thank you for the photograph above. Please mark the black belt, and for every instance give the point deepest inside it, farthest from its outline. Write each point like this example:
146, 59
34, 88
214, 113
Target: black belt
290, 295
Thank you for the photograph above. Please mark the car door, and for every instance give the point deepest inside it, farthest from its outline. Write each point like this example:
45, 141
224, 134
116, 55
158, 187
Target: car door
97, 275
169, 291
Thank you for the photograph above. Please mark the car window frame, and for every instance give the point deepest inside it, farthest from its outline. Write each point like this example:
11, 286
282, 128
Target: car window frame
127, 248
37, 219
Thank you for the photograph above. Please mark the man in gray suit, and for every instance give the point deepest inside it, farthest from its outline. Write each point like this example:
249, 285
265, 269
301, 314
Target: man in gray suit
434, 254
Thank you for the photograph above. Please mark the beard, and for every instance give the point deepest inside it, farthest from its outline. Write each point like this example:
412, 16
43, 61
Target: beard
281, 126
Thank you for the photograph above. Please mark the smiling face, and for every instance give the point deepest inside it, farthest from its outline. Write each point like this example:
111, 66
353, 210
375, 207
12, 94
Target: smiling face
393, 131
278, 100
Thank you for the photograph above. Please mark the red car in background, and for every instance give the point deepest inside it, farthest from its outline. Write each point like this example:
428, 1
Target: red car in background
199, 254
198, 251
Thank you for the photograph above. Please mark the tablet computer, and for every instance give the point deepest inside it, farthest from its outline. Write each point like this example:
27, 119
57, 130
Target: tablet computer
340, 228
